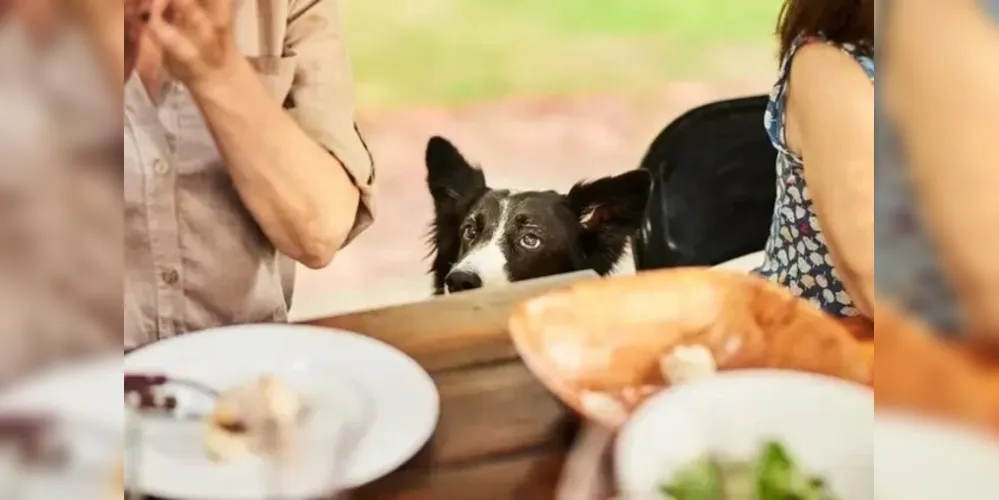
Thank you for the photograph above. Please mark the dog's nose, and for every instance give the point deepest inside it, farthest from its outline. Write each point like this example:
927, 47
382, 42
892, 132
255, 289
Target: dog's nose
459, 281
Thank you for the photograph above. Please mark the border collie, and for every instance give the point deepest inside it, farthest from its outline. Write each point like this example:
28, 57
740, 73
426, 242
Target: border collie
483, 237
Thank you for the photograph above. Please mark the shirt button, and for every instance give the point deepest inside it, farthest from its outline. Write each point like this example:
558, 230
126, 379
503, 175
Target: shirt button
170, 276
161, 167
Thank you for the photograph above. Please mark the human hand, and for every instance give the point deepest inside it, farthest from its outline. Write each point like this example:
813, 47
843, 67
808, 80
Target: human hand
137, 15
197, 40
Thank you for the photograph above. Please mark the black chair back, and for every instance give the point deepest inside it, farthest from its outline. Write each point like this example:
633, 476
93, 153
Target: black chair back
713, 188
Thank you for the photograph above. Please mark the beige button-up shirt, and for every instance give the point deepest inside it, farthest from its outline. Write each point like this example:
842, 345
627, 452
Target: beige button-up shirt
195, 258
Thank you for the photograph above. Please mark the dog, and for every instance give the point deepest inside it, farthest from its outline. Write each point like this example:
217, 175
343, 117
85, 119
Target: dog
485, 237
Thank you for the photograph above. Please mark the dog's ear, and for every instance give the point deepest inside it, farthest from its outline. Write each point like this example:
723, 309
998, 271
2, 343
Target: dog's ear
611, 204
451, 179
454, 185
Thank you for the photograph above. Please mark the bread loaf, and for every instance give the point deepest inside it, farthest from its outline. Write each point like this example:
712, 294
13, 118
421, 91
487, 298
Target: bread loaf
603, 346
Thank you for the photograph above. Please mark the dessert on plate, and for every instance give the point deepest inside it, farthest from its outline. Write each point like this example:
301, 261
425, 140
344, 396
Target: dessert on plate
258, 417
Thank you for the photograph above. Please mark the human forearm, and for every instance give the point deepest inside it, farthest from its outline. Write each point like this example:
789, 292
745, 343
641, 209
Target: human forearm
297, 191
942, 89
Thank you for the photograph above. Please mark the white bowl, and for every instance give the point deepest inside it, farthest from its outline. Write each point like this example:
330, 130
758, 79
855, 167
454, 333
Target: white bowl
826, 424
923, 459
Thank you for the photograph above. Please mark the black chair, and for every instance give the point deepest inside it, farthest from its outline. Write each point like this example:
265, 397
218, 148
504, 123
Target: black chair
713, 188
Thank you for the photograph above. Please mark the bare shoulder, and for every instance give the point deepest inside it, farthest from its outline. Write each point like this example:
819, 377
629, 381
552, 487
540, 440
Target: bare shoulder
830, 99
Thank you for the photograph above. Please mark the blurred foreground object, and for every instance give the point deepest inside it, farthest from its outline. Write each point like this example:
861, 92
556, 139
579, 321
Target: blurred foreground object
48, 456
823, 425
605, 346
60, 196
941, 92
940, 88
73, 411
917, 372
919, 458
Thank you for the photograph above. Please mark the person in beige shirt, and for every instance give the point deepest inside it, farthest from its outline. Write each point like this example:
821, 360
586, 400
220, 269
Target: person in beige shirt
240, 148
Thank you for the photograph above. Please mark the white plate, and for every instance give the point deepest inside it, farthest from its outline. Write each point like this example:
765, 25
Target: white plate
335, 369
922, 459
827, 425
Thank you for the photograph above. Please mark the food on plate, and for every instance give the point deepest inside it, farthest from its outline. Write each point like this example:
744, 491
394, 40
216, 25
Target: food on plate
142, 393
772, 475
261, 416
917, 371
605, 346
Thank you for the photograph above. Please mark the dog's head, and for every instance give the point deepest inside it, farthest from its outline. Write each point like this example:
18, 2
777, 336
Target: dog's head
484, 237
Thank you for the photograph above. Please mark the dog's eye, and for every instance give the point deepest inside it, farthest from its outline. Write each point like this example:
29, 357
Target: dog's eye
530, 241
468, 232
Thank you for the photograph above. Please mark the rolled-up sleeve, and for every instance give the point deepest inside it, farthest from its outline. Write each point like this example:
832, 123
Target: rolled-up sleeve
322, 95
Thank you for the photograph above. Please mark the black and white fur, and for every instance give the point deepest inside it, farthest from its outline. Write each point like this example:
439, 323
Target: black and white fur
483, 237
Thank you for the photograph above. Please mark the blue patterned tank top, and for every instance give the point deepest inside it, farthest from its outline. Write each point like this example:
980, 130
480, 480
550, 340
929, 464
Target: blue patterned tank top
796, 253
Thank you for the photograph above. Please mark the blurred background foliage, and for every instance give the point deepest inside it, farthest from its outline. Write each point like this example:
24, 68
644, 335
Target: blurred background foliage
443, 52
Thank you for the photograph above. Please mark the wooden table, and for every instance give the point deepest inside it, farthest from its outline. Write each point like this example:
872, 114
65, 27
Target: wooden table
501, 434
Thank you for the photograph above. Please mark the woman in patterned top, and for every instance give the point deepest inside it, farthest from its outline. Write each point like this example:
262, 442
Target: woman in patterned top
821, 120
938, 170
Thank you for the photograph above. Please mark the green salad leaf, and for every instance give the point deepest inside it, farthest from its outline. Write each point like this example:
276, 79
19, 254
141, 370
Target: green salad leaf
701, 480
772, 475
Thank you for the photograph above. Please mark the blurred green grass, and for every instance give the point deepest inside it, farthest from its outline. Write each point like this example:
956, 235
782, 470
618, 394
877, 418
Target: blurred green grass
411, 52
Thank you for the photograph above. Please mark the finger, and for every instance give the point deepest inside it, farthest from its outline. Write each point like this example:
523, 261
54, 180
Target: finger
219, 12
158, 7
172, 40
189, 17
